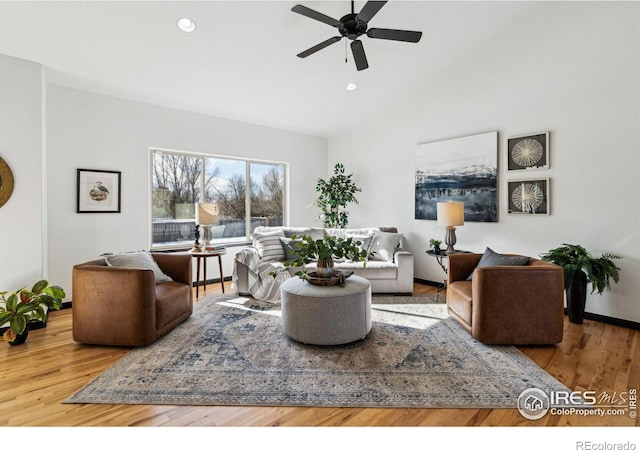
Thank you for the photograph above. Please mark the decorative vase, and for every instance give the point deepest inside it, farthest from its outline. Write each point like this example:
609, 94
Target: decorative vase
577, 297
324, 268
436, 250
21, 338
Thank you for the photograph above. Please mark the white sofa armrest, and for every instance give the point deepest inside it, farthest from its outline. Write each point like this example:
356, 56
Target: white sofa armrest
404, 260
240, 276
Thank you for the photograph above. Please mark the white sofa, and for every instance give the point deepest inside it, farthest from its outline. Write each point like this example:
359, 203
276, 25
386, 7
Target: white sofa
390, 269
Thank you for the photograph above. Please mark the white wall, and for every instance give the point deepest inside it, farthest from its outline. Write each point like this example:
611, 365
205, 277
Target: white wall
570, 68
94, 131
21, 146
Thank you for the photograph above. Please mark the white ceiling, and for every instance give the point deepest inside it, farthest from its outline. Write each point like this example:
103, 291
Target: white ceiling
241, 62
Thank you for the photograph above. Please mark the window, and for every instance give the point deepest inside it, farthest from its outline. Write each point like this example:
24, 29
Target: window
248, 194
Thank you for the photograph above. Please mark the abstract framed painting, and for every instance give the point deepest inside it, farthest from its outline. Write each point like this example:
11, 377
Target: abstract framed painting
98, 191
528, 152
528, 197
463, 170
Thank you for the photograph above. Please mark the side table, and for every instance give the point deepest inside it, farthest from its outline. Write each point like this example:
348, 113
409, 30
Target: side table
440, 257
202, 256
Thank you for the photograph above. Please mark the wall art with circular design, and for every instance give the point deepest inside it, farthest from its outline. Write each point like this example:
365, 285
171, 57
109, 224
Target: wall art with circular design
6, 182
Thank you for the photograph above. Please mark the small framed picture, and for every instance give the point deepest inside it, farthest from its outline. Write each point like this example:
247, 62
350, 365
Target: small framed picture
528, 152
98, 191
528, 197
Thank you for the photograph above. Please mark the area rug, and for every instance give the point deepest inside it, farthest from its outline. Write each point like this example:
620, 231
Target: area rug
233, 352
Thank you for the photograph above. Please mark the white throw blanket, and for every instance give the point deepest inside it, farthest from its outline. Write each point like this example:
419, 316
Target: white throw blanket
262, 284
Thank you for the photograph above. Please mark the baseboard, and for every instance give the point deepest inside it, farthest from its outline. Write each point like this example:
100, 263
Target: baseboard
610, 320
211, 281
427, 282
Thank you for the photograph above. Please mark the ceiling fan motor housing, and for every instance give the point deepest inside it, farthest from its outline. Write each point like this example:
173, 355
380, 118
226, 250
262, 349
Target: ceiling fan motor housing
352, 27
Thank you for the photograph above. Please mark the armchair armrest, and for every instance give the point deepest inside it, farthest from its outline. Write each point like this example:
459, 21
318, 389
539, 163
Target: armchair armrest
461, 265
532, 296
177, 265
125, 295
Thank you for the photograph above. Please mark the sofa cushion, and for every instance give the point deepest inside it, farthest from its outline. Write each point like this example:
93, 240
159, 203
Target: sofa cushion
138, 260
314, 233
373, 270
289, 246
269, 245
384, 245
491, 258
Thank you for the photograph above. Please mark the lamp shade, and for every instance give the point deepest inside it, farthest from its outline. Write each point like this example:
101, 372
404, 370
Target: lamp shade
450, 214
207, 213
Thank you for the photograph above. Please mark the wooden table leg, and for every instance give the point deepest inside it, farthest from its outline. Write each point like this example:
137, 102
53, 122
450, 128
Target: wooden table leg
204, 280
198, 278
221, 275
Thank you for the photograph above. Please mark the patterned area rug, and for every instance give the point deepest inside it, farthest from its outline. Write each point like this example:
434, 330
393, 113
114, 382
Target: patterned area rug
232, 351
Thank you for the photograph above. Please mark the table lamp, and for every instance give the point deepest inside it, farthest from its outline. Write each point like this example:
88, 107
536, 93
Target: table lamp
207, 214
450, 215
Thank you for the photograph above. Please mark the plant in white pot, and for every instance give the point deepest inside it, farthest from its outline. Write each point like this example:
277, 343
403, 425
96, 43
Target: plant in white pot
580, 268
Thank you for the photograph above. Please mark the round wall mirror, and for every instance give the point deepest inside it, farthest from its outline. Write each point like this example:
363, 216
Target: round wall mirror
6, 182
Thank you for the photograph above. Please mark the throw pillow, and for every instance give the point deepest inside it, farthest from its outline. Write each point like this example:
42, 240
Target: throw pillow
138, 260
491, 258
383, 245
364, 241
289, 246
269, 246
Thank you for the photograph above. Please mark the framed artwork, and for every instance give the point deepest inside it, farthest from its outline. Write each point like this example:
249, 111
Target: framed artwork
528, 197
528, 152
98, 191
462, 170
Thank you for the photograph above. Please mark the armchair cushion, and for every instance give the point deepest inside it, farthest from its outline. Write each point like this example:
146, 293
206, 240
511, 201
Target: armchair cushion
491, 259
138, 260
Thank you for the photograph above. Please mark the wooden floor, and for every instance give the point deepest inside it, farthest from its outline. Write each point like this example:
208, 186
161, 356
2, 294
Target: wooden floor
36, 377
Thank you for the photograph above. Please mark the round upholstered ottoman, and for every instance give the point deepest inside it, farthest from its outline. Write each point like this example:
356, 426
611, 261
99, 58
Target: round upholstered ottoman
326, 315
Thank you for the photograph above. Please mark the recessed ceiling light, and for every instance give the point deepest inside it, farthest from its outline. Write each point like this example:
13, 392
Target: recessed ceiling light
187, 25
351, 87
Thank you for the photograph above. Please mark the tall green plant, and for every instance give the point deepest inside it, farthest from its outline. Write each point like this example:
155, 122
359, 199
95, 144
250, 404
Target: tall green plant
334, 195
575, 258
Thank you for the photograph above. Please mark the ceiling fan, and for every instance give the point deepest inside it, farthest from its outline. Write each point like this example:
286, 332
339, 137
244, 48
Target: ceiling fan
352, 26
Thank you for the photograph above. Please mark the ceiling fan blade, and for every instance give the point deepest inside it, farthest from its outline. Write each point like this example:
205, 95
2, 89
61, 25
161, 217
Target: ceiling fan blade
358, 55
394, 35
320, 46
316, 15
369, 10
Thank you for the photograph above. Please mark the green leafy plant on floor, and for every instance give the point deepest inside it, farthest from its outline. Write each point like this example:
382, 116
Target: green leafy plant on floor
24, 305
334, 195
575, 258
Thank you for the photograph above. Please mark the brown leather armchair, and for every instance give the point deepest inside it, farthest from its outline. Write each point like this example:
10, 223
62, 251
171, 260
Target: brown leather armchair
124, 306
506, 304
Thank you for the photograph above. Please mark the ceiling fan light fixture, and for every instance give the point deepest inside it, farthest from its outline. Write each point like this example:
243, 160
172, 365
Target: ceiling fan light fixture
351, 87
186, 24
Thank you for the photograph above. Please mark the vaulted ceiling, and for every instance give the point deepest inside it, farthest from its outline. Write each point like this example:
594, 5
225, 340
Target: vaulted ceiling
240, 62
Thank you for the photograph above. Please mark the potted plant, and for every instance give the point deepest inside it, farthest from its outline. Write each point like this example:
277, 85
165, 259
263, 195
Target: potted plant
23, 306
435, 245
335, 194
324, 250
580, 268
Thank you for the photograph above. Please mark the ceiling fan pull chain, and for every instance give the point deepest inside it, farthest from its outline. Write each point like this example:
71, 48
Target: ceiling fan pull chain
345, 51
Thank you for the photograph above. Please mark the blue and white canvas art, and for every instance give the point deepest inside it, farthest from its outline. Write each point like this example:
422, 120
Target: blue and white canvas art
462, 170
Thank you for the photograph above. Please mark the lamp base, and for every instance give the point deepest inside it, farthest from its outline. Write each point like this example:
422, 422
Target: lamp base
206, 235
450, 239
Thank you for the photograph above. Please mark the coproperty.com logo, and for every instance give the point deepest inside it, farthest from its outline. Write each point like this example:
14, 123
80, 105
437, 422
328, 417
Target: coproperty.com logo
534, 403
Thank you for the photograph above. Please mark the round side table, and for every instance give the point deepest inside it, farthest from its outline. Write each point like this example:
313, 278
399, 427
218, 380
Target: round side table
326, 315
